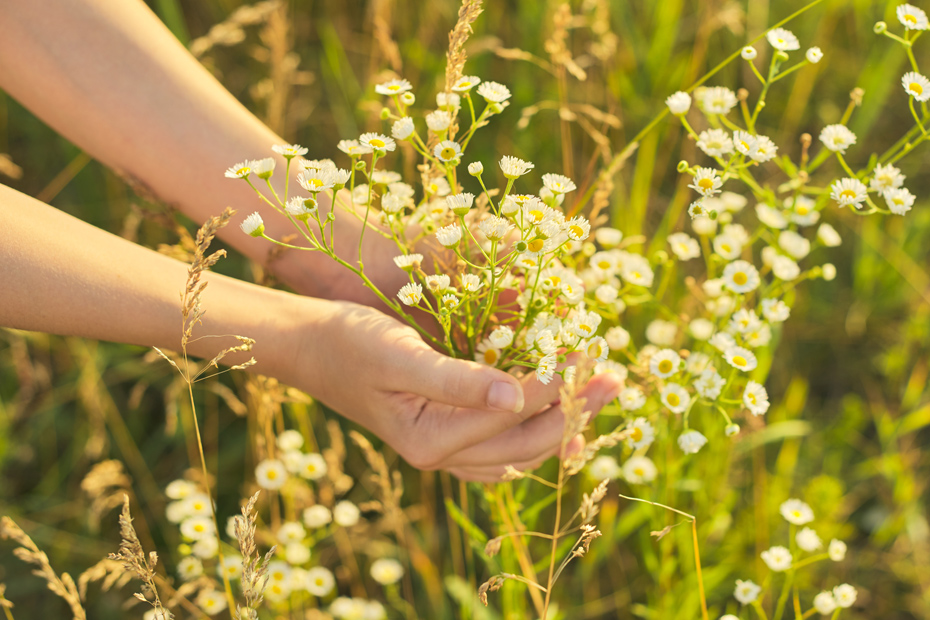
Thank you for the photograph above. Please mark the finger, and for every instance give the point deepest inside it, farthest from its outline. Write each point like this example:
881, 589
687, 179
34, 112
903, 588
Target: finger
494, 473
539, 436
459, 383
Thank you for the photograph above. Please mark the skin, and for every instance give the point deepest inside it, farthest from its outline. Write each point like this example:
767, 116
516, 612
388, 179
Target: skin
139, 103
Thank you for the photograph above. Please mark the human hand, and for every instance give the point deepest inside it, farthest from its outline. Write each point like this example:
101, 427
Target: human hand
435, 411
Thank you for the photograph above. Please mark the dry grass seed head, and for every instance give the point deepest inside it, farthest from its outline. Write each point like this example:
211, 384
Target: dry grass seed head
30, 553
134, 560
105, 485
254, 567
110, 572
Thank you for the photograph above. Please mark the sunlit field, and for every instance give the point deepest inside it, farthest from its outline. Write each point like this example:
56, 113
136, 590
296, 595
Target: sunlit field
703, 200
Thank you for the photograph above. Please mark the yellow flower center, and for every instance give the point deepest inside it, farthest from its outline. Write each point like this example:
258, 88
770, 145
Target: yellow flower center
465, 84
637, 434
318, 581
576, 230
316, 182
848, 193
740, 278
739, 360
706, 183
726, 247
490, 356
536, 216
916, 88
636, 275
245, 170
801, 210
272, 474
911, 19
665, 366
555, 280
744, 144
447, 153
394, 87
673, 399
376, 142
751, 398
604, 264
594, 351
638, 471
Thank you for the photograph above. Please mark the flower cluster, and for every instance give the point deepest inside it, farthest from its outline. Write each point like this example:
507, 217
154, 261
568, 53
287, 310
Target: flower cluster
806, 548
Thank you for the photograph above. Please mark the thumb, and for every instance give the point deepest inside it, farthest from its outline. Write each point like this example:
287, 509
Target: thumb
459, 383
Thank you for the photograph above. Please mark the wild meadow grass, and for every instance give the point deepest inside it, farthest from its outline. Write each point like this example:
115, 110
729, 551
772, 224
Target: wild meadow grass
89, 429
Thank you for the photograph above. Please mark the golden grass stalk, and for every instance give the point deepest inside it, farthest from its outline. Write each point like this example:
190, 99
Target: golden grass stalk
133, 558
30, 553
254, 567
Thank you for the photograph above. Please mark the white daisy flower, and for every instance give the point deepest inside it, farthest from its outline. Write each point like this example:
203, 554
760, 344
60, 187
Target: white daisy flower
465, 83
899, 200
740, 358
709, 384
253, 225
824, 603
319, 581
486, 353
438, 121
195, 528
661, 333
744, 320
691, 441
733, 202
912, 18
794, 244
763, 149
642, 433
410, 294
706, 182
639, 470
449, 236
501, 337
289, 440
744, 142
471, 282
746, 591
775, 310
722, 341
814, 55
386, 570
718, 100
617, 338
447, 101
606, 294
916, 85
783, 40
346, 514
636, 270
475, 169
271, 474
408, 262
608, 237
845, 595
558, 183
631, 399
756, 398
715, 142
301, 207
291, 531
190, 568
180, 489
848, 191
837, 550
264, 168
313, 466
492, 92
770, 216
678, 103
604, 468
578, 228
514, 167
885, 178
211, 601
741, 277
438, 282
448, 150
393, 87
317, 516
240, 171
837, 138
808, 540
684, 246
289, 150
785, 269
494, 227
797, 512
759, 336
546, 368
748, 53
700, 217
728, 246
231, 566
777, 558
701, 328
665, 363
675, 397
460, 204
402, 128
353, 148
377, 142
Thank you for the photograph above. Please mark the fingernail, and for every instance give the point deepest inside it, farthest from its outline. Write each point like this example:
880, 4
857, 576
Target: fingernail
505, 396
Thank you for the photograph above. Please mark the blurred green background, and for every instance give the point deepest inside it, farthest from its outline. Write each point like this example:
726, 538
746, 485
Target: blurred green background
851, 409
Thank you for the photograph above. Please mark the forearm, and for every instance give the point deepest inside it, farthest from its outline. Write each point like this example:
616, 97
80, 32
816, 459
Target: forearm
63, 276
111, 78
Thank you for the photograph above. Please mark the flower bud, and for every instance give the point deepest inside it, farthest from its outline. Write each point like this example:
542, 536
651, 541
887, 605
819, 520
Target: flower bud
880, 27
408, 98
748, 52
385, 114
475, 168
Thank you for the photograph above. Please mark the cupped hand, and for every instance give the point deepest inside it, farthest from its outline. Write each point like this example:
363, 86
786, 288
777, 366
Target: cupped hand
435, 411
